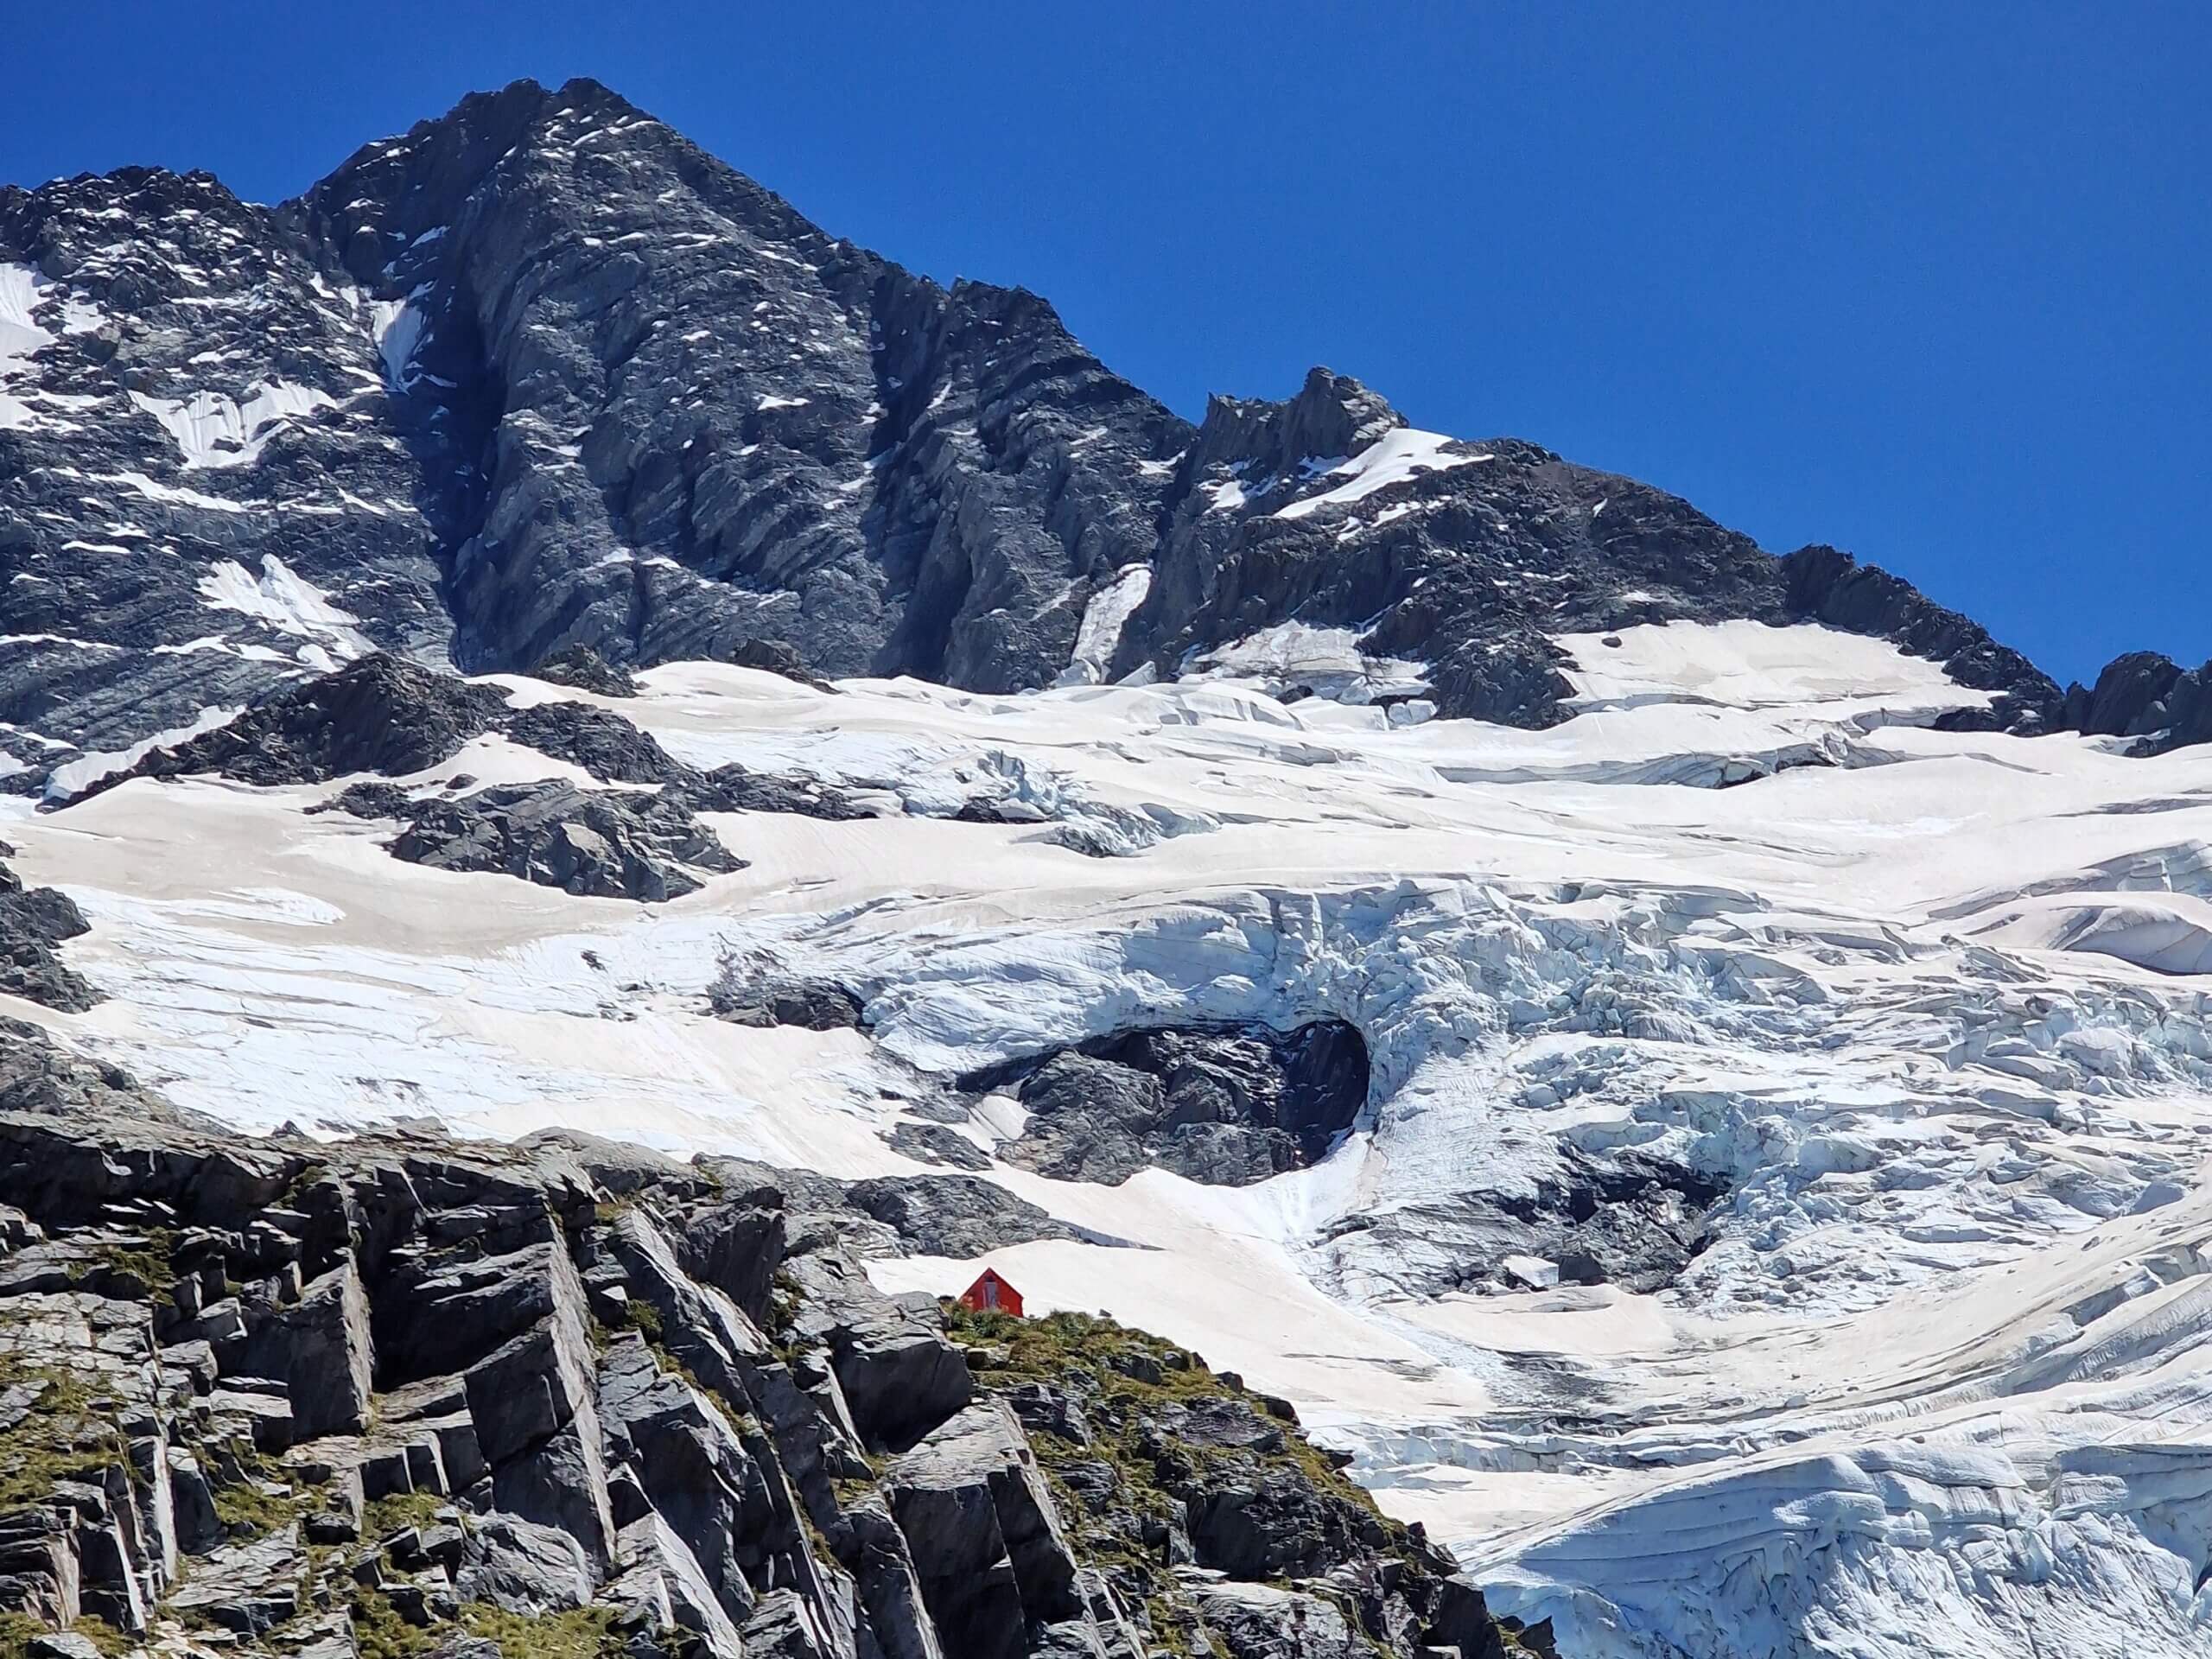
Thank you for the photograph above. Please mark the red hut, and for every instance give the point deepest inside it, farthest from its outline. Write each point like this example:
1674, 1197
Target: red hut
992, 1295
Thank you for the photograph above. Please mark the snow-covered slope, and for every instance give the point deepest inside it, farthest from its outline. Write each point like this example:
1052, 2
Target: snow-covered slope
1779, 1222
1776, 1220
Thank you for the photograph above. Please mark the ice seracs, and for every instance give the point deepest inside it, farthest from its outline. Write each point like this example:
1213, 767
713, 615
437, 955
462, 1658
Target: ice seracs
1921, 1358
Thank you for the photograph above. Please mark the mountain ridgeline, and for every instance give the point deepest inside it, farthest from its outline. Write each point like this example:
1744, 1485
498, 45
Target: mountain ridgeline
542, 374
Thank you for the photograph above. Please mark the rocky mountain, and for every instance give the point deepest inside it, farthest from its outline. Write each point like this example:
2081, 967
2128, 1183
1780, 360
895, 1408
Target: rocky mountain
607, 796
540, 374
575, 1398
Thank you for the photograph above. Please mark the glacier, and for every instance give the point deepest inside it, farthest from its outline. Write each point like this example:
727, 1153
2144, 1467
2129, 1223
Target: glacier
1916, 1013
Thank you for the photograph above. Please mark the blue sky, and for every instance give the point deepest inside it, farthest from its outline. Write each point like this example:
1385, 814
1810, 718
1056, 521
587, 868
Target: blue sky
1929, 282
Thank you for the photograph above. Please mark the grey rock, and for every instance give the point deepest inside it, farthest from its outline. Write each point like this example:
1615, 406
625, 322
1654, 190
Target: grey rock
889, 1586
321, 1347
737, 789
1619, 1218
696, 1471
659, 1583
2145, 695
249, 1588
1223, 1105
34, 923
562, 1482
986, 1541
958, 1216
1259, 1621
40, 1077
812, 1005
595, 843
382, 713
737, 1247
900, 1375
199, 1530
525, 1567
784, 1627
453, 1309
585, 669
934, 1143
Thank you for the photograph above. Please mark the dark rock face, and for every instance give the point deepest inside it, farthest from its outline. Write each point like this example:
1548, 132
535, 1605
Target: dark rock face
761, 996
558, 391
382, 713
34, 922
2146, 696
934, 1143
736, 789
585, 669
595, 843
877, 504
1226, 1106
2129, 699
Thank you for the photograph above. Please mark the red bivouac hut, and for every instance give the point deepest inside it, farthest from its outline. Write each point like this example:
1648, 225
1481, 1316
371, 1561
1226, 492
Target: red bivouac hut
992, 1295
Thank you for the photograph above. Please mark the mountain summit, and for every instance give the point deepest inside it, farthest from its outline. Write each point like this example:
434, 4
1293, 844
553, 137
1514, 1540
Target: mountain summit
542, 374
608, 798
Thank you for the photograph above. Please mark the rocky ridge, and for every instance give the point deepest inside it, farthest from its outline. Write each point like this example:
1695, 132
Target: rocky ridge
399, 1397
540, 377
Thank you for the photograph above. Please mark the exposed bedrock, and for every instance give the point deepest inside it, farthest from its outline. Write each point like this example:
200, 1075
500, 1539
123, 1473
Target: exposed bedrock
558, 391
1226, 1105
330, 1398
597, 844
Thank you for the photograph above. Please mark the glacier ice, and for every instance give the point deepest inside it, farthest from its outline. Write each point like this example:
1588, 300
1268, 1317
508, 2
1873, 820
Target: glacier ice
1922, 1012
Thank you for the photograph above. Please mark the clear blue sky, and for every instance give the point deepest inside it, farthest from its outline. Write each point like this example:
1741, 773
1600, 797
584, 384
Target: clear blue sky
1929, 282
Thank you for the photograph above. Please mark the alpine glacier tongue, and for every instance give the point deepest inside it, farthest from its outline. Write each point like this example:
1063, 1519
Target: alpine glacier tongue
1687, 1068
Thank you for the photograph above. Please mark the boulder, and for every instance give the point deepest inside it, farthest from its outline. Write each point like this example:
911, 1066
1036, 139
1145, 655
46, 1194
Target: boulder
524, 1567
660, 1584
593, 843
1259, 1621
249, 1588
784, 1627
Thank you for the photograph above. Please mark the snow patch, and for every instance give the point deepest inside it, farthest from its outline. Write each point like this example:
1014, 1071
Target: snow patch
1402, 454
288, 604
1104, 619
71, 779
212, 429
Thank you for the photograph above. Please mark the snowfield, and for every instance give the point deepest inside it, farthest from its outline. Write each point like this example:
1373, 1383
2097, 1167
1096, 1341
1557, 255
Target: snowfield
1927, 1008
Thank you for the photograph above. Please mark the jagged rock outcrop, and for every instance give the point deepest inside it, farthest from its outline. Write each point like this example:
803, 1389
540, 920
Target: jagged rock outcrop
1611, 1217
33, 923
1192, 1494
392, 1395
38, 1075
1225, 1106
560, 392
2148, 696
754, 990
596, 843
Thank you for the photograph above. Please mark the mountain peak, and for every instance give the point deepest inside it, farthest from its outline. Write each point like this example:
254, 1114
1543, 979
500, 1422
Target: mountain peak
1332, 417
